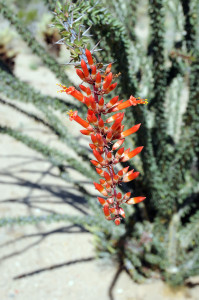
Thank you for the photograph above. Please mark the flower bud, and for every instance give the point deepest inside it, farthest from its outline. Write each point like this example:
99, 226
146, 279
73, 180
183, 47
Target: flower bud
117, 221
98, 80
108, 69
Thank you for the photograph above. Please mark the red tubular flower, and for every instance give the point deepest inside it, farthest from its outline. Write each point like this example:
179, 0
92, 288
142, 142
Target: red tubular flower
88, 91
89, 119
125, 104
106, 210
131, 154
96, 163
93, 72
98, 156
119, 196
108, 188
119, 152
101, 104
100, 188
98, 80
100, 172
102, 201
82, 87
109, 156
135, 200
92, 103
94, 119
92, 146
103, 182
87, 102
108, 178
94, 139
125, 170
89, 57
130, 130
114, 210
85, 89
117, 122
117, 144
73, 92
120, 174
113, 118
101, 124
107, 81
110, 104
132, 101
108, 69
121, 212
80, 74
111, 88
117, 221
130, 176
85, 69
109, 136
127, 196
116, 179
74, 116
85, 132
99, 140
106, 153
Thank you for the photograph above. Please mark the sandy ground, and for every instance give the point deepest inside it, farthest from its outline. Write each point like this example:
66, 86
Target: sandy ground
53, 261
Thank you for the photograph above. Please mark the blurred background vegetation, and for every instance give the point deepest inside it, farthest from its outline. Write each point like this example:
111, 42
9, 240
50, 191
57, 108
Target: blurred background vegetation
154, 44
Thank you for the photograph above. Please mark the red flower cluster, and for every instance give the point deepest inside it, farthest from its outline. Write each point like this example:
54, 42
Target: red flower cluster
106, 139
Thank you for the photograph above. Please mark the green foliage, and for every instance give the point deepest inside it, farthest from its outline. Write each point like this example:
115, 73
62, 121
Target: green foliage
47, 219
159, 237
29, 16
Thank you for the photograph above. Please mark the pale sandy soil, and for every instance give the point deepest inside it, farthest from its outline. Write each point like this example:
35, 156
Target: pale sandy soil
58, 259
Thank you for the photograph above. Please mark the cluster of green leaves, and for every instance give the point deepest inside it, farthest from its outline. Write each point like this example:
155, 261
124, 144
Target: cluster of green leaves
160, 236
68, 20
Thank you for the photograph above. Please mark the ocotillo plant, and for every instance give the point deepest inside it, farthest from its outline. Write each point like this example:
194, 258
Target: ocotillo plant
160, 235
106, 140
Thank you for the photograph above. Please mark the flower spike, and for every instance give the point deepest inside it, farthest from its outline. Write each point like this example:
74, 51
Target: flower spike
106, 139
